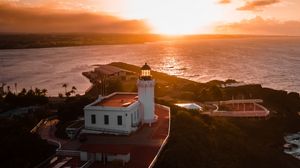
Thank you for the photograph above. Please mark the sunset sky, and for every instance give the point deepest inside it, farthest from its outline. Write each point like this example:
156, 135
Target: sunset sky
152, 16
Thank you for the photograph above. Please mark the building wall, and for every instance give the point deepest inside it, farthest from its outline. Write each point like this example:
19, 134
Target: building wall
146, 98
83, 156
123, 157
98, 156
128, 118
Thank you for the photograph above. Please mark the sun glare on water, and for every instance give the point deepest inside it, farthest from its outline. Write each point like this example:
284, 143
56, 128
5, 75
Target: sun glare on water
178, 17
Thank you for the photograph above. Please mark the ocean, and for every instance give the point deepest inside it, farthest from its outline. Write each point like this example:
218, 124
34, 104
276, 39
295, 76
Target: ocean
271, 61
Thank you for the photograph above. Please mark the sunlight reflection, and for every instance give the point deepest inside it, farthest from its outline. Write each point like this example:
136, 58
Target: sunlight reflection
171, 63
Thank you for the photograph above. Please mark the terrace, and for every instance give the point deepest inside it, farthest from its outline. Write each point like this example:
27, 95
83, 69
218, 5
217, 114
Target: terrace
143, 145
118, 100
240, 108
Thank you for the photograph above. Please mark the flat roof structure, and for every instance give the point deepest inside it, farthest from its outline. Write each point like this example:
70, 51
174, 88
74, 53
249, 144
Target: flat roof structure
109, 69
190, 106
118, 100
143, 145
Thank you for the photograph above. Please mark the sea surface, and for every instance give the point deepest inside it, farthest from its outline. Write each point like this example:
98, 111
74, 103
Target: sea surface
271, 61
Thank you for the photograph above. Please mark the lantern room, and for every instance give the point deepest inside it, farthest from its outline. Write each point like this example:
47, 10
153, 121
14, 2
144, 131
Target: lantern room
145, 72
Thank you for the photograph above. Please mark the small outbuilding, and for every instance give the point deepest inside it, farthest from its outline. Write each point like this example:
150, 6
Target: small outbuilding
190, 106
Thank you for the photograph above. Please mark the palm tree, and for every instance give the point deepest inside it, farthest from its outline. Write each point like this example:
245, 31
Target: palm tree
65, 85
2, 89
60, 95
23, 92
16, 88
37, 92
73, 90
68, 94
8, 88
44, 92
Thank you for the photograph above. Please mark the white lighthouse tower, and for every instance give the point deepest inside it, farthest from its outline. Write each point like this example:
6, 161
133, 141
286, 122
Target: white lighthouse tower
146, 85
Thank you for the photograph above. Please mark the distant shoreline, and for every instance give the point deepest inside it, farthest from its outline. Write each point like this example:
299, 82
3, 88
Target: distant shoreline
32, 41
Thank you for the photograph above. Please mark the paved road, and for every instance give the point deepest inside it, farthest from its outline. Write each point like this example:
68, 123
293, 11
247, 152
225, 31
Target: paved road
47, 132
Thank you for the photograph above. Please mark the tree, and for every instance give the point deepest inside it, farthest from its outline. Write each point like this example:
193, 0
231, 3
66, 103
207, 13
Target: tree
30, 93
73, 90
60, 95
65, 85
8, 89
37, 92
16, 88
44, 92
68, 94
23, 92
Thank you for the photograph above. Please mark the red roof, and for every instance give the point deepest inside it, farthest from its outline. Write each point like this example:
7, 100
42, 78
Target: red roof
143, 145
118, 100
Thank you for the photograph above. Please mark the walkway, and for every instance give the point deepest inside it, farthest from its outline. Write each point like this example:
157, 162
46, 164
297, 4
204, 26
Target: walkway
47, 132
143, 145
240, 108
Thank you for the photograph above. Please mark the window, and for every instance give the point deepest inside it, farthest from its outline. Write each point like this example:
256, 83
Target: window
119, 120
93, 119
106, 119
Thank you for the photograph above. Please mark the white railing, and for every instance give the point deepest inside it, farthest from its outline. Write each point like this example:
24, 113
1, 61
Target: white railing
104, 131
67, 152
166, 139
88, 164
34, 129
241, 101
267, 111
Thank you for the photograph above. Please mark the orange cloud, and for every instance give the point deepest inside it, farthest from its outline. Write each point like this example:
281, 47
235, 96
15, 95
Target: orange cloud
48, 20
257, 4
260, 26
224, 1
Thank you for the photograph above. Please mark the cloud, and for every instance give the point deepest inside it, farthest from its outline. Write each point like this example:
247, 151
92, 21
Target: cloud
224, 1
260, 26
49, 20
257, 4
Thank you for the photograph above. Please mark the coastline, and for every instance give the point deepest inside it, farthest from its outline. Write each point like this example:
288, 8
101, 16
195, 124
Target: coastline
231, 86
64, 65
48, 40
210, 137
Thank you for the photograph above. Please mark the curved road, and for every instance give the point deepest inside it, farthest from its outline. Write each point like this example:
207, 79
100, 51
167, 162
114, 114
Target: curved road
47, 132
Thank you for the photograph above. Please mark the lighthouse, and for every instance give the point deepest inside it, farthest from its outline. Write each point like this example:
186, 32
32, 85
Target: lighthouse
145, 86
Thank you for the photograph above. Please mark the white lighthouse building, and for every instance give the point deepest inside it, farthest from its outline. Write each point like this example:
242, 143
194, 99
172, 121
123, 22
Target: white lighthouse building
145, 86
123, 112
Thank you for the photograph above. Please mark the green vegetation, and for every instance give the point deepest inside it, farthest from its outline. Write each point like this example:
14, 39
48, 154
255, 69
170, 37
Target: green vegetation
23, 99
69, 92
207, 142
19, 147
195, 140
17, 41
202, 141
68, 111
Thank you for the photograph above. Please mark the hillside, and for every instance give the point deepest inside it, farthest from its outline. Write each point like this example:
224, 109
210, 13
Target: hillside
206, 142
